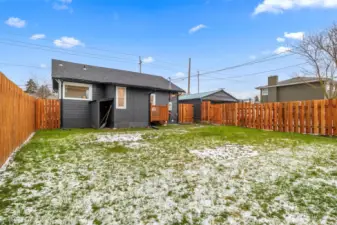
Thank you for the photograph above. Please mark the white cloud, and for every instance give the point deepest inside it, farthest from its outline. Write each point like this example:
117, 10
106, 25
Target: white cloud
282, 49
252, 57
62, 5
279, 6
179, 74
148, 60
43, 65
279, 39
15, 22
68, 42
38, 36
296, 36
196, 28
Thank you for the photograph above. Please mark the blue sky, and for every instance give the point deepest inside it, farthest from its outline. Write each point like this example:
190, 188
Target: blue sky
214, 33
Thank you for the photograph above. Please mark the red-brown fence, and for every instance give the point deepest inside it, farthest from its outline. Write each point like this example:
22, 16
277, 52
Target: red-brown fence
159, 113
186, 113
306, 117
19, 117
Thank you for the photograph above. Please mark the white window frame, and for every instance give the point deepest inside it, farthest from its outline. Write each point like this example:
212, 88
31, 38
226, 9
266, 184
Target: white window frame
79, 85
117, 97
154, 98
264, 92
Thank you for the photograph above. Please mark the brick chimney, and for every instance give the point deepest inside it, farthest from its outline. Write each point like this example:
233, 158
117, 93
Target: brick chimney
272, 80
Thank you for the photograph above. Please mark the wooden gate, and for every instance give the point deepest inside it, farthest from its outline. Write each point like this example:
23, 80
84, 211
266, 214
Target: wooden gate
216, 113
47, 114
186, 113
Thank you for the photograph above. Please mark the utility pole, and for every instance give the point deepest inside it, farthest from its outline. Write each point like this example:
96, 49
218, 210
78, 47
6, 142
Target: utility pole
140, 64
198, 83
189, 77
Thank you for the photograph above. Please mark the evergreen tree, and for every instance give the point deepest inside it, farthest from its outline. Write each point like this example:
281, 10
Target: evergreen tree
31, 86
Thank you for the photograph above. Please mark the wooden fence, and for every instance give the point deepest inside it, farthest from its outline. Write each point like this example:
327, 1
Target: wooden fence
47, 114
306, 117
21, 115
159, 113
186, 113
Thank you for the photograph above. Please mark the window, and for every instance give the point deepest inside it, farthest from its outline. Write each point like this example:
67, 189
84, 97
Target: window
121, 97
77, 91
265, 91
153, 99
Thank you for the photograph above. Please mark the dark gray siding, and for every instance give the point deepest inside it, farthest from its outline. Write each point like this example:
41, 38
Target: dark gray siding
76, 113
110, 91
162, 98
137, 110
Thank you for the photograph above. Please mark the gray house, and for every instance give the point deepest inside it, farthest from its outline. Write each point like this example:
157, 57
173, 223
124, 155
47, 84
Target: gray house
217, 96
91, 95
294, 89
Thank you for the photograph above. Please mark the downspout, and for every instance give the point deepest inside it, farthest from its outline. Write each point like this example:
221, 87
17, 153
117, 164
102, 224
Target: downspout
149, 103
61, 103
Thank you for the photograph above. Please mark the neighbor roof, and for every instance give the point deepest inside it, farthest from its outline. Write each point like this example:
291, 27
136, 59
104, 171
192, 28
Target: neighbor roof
206, 94
292, 81
86, 73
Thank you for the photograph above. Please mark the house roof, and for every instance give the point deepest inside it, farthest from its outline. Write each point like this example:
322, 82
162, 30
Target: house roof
292, 81
86, 73
203, 95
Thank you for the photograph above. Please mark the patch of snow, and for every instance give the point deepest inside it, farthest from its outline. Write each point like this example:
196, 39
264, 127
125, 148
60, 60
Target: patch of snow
119, 137
227, 152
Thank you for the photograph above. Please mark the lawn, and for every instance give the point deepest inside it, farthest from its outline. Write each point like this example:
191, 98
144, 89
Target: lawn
175, 175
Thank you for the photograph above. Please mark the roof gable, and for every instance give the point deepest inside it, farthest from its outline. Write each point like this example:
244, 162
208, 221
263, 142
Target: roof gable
87, 73
217, 95
292, 81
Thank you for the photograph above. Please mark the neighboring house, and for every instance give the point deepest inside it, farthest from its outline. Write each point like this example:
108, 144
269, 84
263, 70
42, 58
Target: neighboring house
294, 89
217, 96
88, 93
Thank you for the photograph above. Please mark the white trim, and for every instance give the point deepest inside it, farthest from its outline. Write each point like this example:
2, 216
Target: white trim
154, 98
264, 92
79, 85
118, 107
59, 88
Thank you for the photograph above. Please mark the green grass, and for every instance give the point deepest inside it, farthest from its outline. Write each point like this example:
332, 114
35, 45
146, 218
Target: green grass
67, 175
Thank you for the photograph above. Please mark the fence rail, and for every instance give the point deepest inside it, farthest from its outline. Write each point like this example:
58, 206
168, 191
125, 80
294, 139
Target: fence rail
306, 117
21, 115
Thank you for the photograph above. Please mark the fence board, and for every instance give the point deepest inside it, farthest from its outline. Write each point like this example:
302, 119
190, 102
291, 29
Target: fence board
310, 117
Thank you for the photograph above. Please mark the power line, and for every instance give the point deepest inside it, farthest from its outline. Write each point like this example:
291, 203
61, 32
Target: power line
109, 51
21, 65
257, 73
268, 58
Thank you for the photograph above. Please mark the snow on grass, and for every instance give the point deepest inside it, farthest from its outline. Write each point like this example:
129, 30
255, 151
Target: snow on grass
119, 137
226, 152
192, 177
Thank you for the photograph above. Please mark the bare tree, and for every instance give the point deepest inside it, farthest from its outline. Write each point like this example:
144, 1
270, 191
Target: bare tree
43, 92
320, 52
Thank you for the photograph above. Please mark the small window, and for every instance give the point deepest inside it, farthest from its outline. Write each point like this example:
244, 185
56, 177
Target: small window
153, 99
265, 91
121, 97
77, 91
